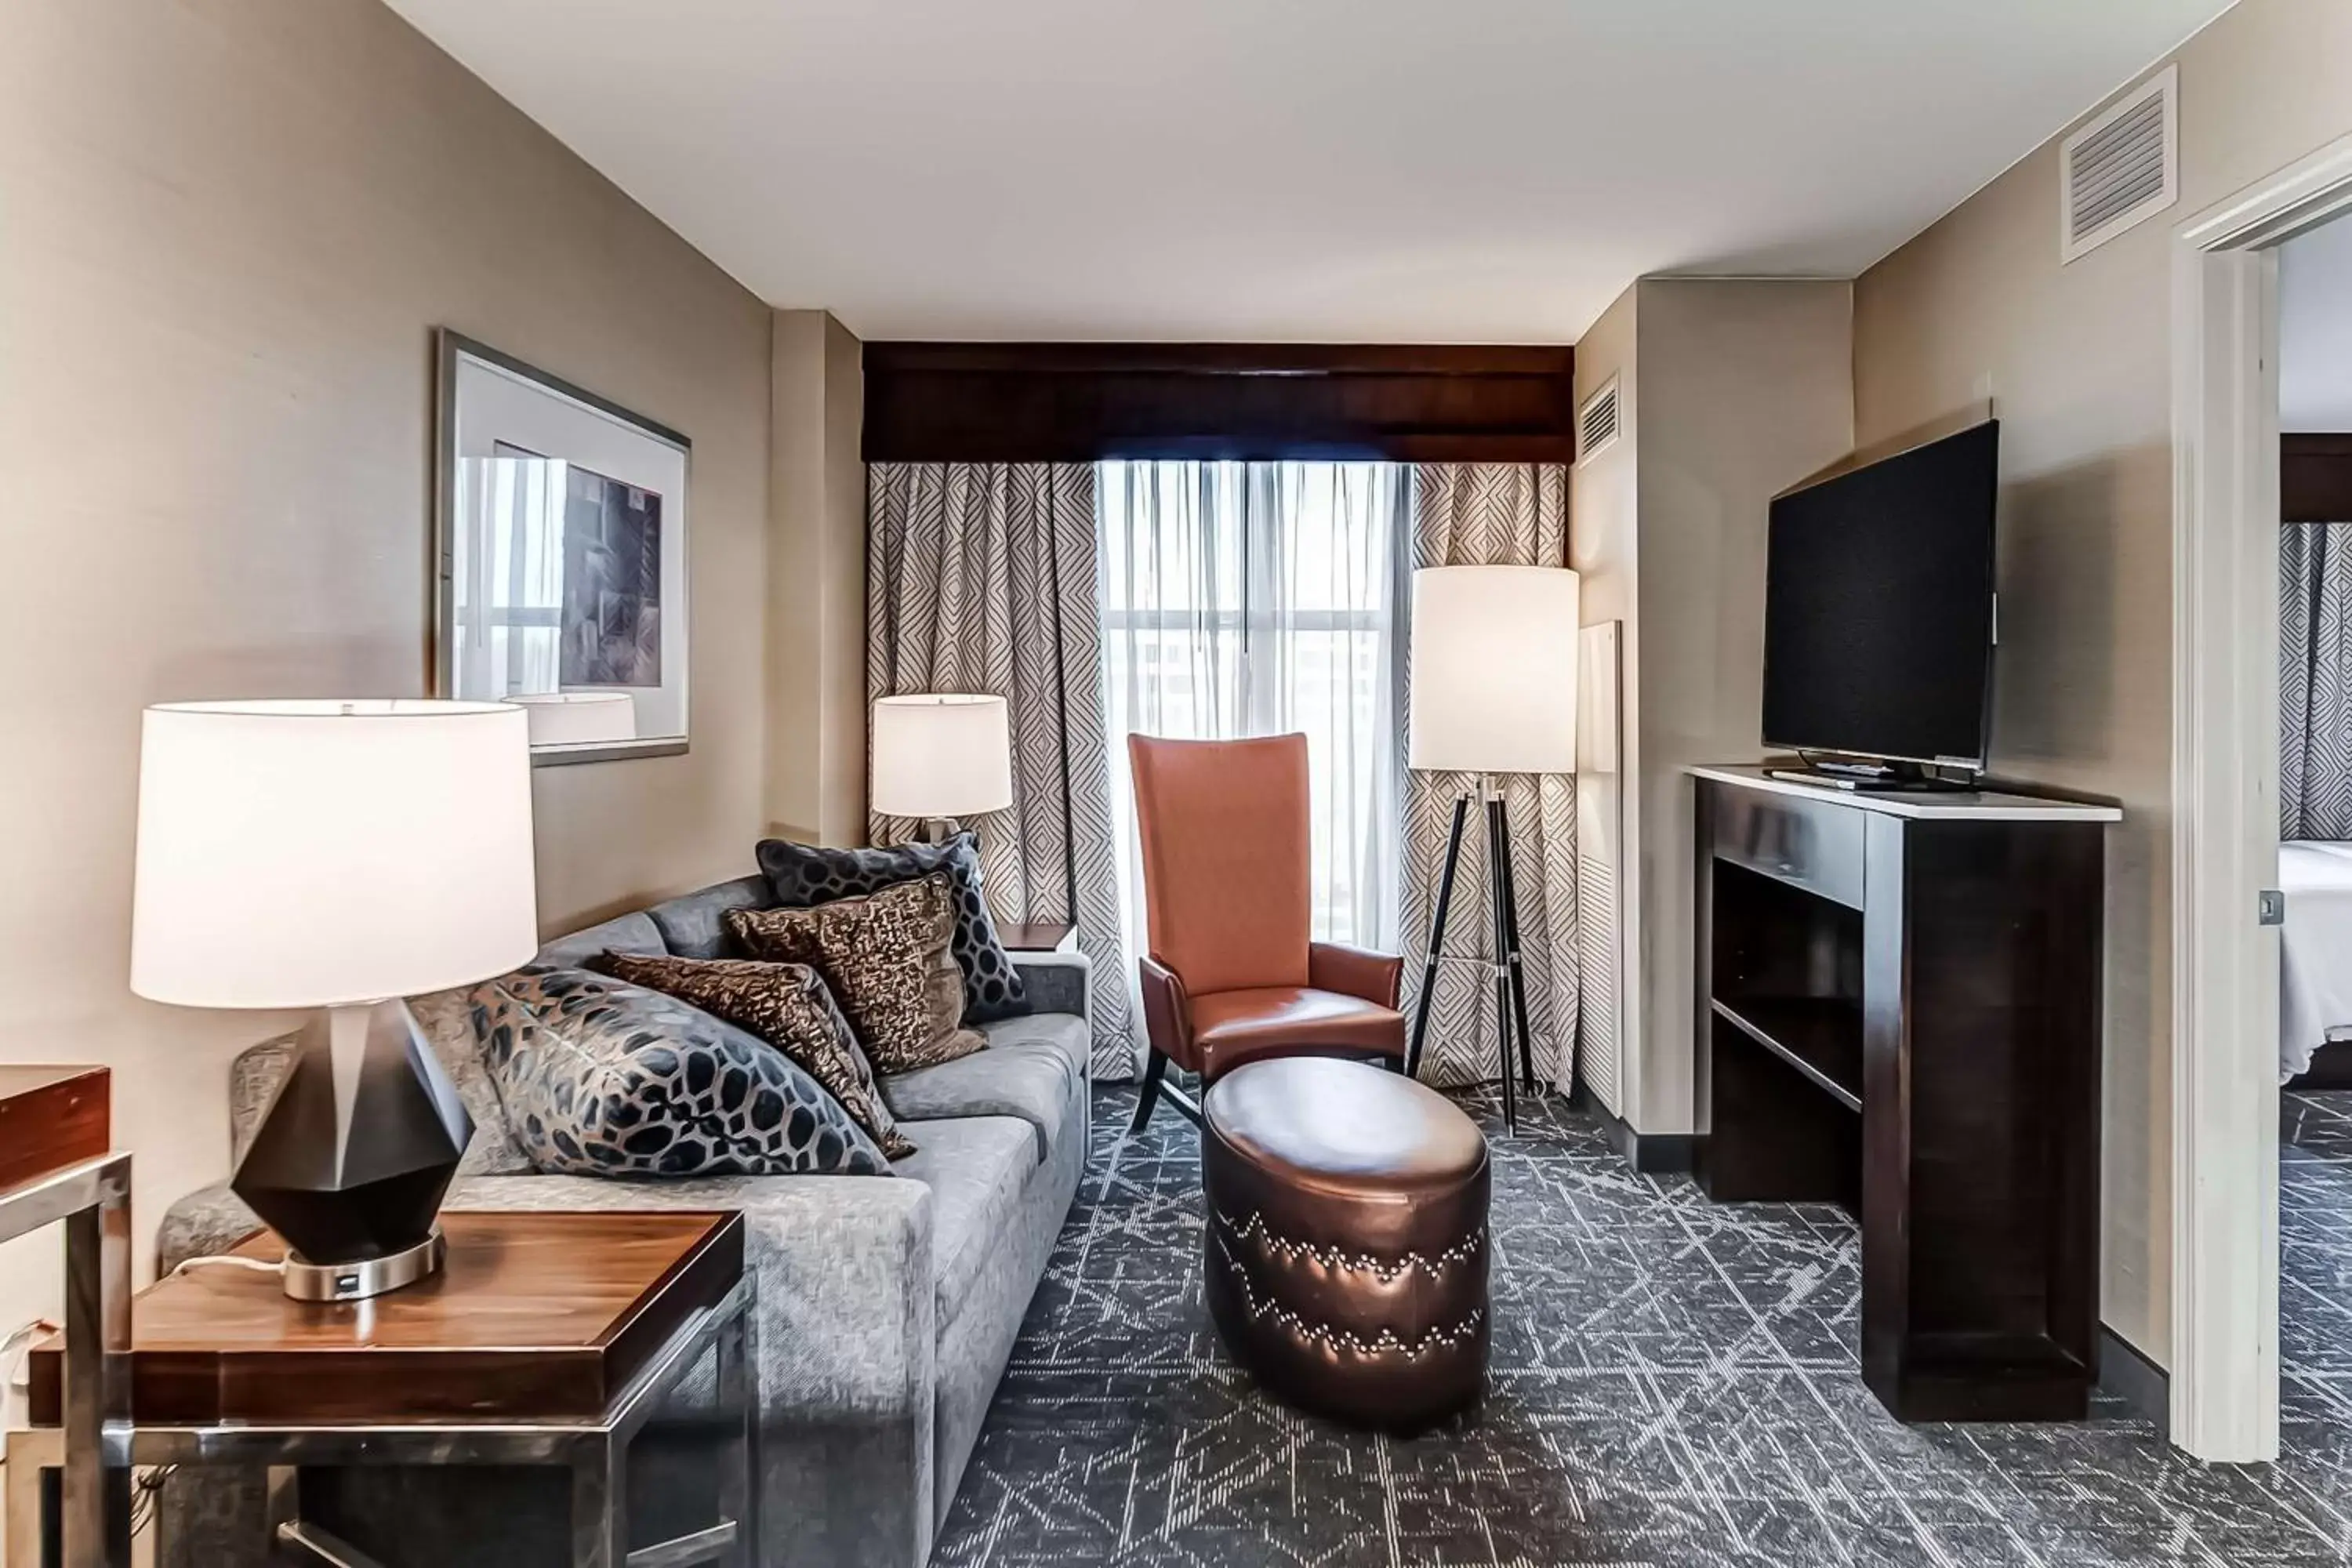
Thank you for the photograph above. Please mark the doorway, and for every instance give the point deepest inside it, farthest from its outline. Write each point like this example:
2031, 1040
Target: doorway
2226, 950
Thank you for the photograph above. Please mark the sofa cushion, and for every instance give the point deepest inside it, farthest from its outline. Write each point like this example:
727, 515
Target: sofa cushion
1035, 1068
693, 925
446, 1018
977, 1167
884, 956
600, 1077
800, 875
787, 1005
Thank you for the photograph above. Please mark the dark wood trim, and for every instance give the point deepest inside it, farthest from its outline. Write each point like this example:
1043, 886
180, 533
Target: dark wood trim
1650, 1153
2315, 477
2126, 1375
946, 402
51, 1117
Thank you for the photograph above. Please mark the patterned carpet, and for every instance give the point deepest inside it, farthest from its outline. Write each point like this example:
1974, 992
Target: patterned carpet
1674, 1383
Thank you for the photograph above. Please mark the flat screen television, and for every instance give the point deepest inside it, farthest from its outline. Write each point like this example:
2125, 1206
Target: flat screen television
1878, 610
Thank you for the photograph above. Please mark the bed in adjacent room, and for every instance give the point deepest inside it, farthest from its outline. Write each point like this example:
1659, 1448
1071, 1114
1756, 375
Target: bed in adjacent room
2315, 957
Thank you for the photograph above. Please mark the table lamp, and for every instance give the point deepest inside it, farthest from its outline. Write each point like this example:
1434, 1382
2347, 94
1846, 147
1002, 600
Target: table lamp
1493, 692
338, 855
939, 756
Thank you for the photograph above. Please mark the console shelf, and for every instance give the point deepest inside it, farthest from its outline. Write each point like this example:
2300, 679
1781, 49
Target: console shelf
1898, 1011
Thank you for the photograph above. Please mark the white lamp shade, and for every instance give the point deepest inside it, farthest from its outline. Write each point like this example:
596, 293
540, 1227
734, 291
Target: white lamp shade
310, 854
941, 755
577, 718
1494, 670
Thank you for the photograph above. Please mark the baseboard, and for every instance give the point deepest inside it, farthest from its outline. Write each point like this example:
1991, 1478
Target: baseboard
2126, 1375
1652, 1154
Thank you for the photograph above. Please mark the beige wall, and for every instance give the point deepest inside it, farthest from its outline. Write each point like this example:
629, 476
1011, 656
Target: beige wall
2076, 361
230, 230
1746, 388
1604, 534
1729, 390
816, 583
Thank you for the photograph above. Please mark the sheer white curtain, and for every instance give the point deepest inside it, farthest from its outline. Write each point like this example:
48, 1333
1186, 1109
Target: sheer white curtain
1256, 599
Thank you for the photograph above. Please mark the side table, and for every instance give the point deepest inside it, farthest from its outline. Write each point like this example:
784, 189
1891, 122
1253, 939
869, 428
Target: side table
1039, 936
56, 1163
547, 1339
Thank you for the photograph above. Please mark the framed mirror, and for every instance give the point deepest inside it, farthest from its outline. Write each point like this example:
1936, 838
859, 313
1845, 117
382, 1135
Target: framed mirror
560, 549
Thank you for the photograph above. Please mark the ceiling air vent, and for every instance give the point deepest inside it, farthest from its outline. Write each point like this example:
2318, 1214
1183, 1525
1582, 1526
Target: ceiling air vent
2121, 166
1596, 422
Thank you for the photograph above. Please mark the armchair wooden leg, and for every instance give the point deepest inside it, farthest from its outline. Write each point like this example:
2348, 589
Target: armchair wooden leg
1155, 1089
1155, 1067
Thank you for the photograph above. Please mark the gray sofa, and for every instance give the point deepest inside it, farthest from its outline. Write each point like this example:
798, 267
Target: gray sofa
886, 1306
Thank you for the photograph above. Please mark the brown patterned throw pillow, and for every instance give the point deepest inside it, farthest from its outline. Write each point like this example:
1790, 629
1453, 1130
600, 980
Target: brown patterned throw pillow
887, 956
787, 1005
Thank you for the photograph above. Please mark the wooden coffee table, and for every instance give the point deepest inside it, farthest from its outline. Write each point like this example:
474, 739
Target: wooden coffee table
547, 1339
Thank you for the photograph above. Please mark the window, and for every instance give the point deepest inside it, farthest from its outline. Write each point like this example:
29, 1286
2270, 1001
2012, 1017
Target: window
1258, 599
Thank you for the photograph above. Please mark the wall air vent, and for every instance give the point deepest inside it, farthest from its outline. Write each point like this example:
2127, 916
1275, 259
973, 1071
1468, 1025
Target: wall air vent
2121, 166
1596, 422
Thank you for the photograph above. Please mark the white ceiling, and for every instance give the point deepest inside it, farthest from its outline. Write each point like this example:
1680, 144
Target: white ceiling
2316, 330
1309, 170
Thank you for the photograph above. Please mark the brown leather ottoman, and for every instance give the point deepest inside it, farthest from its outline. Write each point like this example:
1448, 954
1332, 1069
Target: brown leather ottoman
1346, 1239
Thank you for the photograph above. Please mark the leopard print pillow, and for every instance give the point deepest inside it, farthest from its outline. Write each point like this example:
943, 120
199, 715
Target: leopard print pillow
600, 1077
886, 957
787, 1005
805, 875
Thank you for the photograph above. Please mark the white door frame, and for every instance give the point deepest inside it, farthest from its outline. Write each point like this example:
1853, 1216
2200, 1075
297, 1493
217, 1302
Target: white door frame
2224, 1362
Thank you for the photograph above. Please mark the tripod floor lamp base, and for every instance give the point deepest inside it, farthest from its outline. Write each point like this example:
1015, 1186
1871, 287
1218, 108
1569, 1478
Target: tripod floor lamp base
1517, 1070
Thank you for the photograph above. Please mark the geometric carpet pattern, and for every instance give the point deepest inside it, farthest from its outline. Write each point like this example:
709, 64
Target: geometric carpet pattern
1674, 1383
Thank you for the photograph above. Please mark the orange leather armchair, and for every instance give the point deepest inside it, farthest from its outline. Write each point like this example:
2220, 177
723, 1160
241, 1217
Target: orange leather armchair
1232, 975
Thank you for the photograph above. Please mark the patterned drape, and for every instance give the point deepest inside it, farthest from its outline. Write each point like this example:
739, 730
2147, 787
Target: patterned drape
1493, 514
981, 577
2315, 681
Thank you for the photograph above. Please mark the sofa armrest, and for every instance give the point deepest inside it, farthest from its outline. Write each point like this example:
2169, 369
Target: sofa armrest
1358, 971
1057, 982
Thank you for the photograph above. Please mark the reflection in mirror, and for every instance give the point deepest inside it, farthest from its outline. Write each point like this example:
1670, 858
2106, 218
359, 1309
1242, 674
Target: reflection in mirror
561, 523
557, 604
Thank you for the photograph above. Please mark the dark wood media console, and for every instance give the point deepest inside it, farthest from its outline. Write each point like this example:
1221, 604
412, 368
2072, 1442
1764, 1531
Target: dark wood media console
1898, 1010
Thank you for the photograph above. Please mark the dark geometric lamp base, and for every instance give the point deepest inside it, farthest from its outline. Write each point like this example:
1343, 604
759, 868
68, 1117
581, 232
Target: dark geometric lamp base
352, 1157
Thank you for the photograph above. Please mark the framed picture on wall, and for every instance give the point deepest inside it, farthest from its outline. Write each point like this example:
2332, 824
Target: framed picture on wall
560, 549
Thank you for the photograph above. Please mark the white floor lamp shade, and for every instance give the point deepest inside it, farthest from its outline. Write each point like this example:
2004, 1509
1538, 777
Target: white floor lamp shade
338, 855
1494, 670
939, 756
1494, 691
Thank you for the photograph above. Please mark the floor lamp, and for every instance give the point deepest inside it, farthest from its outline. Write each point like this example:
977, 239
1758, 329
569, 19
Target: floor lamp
1492, 692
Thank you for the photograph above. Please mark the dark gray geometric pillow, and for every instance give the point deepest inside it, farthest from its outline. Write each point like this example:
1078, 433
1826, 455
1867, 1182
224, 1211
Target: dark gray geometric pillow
600, 1077
804, 875
786, 1004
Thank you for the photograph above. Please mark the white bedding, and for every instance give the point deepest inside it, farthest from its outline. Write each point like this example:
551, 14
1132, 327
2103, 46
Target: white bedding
2316, 950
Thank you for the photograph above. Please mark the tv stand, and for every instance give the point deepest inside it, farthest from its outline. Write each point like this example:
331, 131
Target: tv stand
1898, 1010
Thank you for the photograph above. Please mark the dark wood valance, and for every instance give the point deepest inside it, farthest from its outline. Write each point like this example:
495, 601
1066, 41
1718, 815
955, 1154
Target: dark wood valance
1078, 402
2315, 477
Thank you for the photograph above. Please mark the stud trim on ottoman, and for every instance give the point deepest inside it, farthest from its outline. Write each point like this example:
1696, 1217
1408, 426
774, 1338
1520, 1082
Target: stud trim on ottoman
1346, 1254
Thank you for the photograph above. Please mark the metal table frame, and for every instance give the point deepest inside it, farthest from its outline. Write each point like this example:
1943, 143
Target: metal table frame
594, 1452
93, 1199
